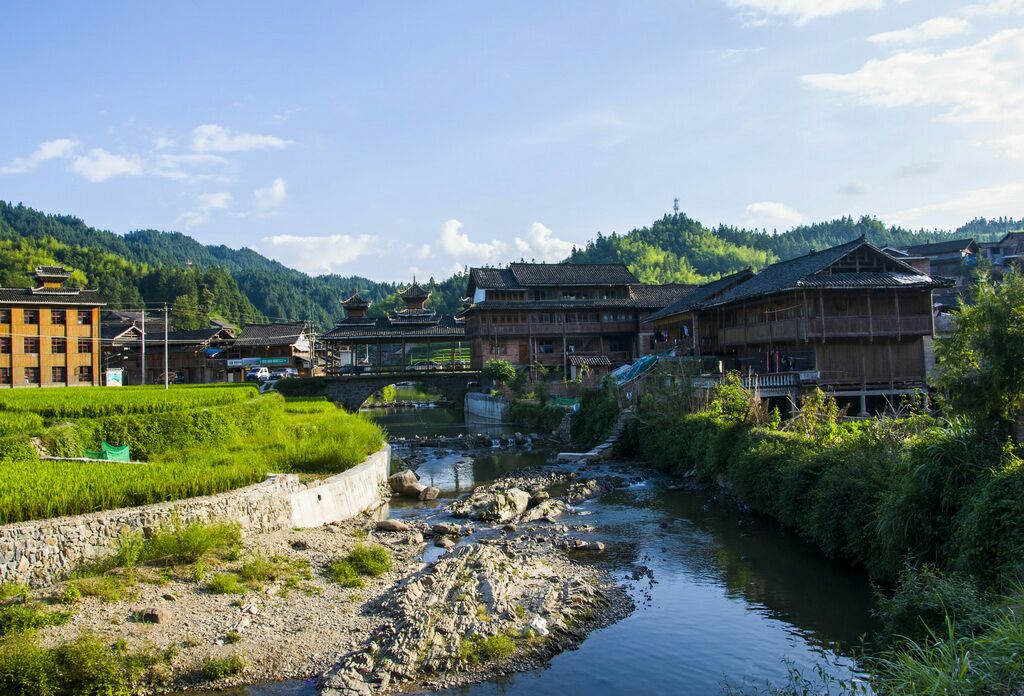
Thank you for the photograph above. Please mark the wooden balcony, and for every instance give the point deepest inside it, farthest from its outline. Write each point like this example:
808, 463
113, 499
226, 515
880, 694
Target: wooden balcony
814, 328
591, 328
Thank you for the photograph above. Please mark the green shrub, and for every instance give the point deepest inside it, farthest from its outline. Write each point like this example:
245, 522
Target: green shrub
531, 415
70, 594
218, 668
179, 543
372, 560
598, 412
108, 587
925, 599
487, 649
225, 583
29, 615
26, 668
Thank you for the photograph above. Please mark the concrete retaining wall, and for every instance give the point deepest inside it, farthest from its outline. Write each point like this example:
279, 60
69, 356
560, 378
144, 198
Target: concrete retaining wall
486, 406
41, 552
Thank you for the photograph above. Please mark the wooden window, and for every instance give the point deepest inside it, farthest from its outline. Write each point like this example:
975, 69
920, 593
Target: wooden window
85, 317
498, 349
58, 345
5, 345
85, 345
546, 347
618, 345
60, 375
5, 375
31, 375
30, 316
32, 346
58, 317
85, 374
5, 316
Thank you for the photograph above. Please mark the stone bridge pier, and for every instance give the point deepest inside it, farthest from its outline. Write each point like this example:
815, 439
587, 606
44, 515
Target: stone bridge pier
352, 390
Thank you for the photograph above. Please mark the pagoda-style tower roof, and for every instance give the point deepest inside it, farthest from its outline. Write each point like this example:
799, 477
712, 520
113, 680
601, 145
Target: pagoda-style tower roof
355, 306
414, 292
415, 297
51, 276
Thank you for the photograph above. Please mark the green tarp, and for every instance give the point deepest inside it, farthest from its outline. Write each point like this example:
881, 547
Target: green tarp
108, 452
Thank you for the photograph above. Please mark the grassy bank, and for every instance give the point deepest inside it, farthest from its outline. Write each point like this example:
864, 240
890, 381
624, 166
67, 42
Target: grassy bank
930, 507
189, 451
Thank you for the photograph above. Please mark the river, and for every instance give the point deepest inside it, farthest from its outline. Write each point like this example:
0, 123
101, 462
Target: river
724, 597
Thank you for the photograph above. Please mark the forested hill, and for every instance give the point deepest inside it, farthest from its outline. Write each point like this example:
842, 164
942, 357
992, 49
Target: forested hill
202, 282
239, 285
677, 248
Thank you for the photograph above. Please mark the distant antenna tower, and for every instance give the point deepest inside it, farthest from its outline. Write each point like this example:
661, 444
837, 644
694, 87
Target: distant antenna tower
675, 205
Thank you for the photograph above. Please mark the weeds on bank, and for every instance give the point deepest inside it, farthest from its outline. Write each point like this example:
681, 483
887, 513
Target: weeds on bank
220, 667
86, 665
370, 560
480, 649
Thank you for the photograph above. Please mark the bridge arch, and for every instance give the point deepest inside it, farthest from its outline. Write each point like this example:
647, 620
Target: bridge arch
351, 391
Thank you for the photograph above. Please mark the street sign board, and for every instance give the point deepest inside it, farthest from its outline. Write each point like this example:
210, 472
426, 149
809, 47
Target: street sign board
257, 362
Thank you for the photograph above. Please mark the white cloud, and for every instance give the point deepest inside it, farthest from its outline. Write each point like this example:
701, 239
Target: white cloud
425, 252
100, 165
995, 8
206, 203
734, 54
318, 255
935, 28
916, 169
980, 82
541, 244
854, 188
771, 215
456, 243
987, 202
1011, 146
193, 167
162, 143
51, 149
210, 137
271, 196
800, 11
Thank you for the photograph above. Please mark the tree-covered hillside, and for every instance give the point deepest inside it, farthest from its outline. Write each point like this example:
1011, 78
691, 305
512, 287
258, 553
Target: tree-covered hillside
678, 248
240, 285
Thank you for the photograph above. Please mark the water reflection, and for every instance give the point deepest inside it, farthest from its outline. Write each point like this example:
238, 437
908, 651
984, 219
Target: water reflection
429, 422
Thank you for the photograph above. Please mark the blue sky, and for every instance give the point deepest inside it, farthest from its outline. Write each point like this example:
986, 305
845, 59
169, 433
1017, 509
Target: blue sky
387, 139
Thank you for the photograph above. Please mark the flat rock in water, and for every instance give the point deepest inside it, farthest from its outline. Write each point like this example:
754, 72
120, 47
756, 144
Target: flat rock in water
392, 526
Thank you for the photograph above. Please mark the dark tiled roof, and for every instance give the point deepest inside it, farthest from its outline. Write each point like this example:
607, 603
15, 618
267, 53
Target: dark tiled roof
493, 278
110, 330
355, 302
282, 334
444, 326
589, 360
52, 272
414, 292
875, 280
50, 296
196, 337
953, 245
701, 294
797, 273
658, 296
572, 274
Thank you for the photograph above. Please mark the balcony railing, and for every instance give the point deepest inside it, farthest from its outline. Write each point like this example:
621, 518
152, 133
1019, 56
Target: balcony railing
803, 328
590, 328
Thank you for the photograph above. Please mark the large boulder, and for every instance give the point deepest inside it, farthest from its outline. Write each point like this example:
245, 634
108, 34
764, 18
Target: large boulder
506, 506
402, 480
392, 526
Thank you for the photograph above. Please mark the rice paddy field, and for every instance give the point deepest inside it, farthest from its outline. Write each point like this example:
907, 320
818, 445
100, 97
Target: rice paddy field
185, 442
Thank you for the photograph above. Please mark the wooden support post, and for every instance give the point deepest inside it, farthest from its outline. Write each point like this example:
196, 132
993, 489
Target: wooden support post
871, 320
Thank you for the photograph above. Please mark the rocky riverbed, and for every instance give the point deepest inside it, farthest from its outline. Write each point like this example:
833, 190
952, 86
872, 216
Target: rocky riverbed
506, 594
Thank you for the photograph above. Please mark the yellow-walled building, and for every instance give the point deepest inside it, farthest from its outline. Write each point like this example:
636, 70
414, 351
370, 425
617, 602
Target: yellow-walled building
50, 334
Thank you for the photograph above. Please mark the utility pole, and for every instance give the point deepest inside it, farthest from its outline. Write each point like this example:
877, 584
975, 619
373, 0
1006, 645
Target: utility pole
167, 377
143, 344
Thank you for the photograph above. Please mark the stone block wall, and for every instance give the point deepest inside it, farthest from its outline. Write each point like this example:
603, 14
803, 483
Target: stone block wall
41, 552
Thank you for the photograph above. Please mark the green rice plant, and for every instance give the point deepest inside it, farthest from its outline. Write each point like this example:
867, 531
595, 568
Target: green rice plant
19, 423
93, 402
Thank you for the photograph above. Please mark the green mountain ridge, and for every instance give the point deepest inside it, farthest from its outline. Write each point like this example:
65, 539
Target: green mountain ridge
240, 285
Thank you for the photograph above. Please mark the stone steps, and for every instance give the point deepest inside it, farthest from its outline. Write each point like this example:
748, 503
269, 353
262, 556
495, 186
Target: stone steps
603, 450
